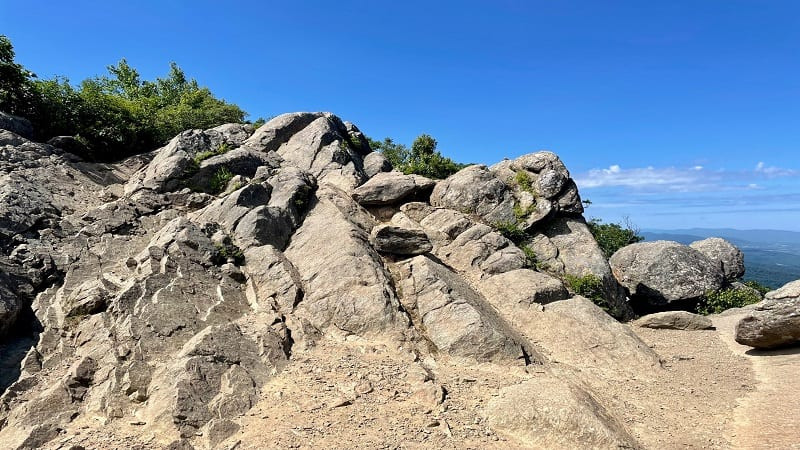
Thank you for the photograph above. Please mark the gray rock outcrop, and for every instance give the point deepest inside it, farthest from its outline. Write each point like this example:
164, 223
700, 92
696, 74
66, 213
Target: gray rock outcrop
727, 255
774, 322
168, 291
662, 272
388, 188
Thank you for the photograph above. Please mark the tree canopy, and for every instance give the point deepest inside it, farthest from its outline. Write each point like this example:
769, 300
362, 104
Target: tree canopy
115, 115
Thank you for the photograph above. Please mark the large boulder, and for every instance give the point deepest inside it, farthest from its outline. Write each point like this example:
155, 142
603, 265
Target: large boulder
722, 252
457, 319
345, 283
400, 240
476, 190
663, 272
389, 188
565, 247
523, 287
774, 322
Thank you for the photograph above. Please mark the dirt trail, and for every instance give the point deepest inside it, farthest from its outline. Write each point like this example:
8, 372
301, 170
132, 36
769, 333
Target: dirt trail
769, 416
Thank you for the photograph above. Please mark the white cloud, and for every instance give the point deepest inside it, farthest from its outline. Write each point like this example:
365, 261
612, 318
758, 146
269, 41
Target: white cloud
774, 172
669, 178
676, 179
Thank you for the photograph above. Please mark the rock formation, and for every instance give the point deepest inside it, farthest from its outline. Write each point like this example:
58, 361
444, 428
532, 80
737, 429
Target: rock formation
168, 290
775, 322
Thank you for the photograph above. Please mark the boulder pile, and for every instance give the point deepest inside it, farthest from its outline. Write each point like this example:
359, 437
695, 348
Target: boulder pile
166, 292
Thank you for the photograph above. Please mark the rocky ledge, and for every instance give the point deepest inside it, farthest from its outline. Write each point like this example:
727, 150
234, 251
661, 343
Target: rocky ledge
168, 290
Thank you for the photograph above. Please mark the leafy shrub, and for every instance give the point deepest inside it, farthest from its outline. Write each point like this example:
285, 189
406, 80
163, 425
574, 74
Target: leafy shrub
714, 302
589, 286
220, 179
757, 286
117, 115
531, 262
613, 236
511, 231
421, 159
523, 180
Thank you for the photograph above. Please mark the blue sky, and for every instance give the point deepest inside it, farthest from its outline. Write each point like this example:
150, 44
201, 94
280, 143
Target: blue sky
677, 114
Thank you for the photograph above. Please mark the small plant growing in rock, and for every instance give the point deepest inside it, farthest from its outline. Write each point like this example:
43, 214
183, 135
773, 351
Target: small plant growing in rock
511, 231
204, 155
589, 286
531, 262
220, 179
523, 180
714, 302
228, 251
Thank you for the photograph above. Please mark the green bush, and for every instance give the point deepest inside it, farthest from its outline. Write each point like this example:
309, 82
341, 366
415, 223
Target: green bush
117, 115
511, 231
202, 156
220, 179
757, 286
589, 286
613, 236
421, 159
714, 302
523, 180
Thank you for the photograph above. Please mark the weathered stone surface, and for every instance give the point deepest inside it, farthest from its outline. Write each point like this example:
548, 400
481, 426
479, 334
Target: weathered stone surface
675, 320
375, 163
661, 272
547, 412
324, 148
523, 287
476, 190
774, 322
389, 188
343, 277
17, 125
270, 136
240, 161
399, 240
457, 319
579, 333
565, 246
175, 163
170, 309
722, 252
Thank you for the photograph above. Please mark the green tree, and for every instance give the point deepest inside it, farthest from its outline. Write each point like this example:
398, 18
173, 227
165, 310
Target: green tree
115, 115
16, 89
397, 154
421, 159
613, 236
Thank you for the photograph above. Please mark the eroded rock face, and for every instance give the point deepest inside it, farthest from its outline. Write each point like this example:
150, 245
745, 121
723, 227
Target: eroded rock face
774, 322
727, 255
457, 319
661, 272
169, 296
548, 403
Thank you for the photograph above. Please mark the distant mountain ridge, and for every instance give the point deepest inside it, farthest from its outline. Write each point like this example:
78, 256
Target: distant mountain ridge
772, 257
